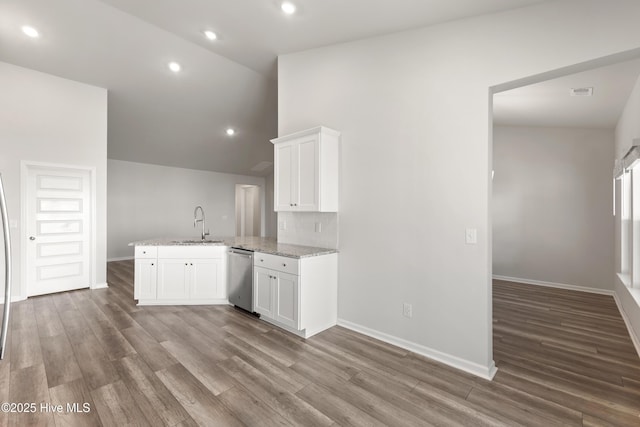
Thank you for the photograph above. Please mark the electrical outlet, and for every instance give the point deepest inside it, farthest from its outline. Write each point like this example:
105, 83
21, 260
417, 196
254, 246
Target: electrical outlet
318, 227
282, 225
407, 310
471, 236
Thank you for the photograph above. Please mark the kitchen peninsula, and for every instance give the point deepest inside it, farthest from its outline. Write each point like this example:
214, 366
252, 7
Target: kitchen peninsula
294, 287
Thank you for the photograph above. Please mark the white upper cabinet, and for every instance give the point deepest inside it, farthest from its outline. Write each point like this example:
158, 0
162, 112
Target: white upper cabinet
306, 171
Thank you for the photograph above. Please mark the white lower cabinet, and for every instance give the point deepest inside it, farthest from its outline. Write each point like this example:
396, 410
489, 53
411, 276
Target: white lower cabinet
263, 301
299, 295
205, 279
173, 279
181, 275
287, 303
145, 278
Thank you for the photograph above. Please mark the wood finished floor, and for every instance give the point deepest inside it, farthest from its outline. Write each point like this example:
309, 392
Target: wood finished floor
564, 358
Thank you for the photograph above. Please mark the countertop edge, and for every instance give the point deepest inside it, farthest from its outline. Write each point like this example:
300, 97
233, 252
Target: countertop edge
313, 251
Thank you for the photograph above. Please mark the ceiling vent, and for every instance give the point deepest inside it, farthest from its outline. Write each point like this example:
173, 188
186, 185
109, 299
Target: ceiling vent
581, 91
261, 166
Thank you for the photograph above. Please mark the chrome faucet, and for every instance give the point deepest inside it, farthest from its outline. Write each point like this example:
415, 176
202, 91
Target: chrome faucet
196, 220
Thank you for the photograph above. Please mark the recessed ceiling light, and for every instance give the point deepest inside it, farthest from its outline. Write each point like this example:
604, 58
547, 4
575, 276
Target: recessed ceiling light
30, 31
288, 7
210, 35
175, 67
231, 131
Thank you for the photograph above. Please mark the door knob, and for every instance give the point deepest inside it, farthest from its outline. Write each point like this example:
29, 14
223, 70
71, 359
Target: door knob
32, 238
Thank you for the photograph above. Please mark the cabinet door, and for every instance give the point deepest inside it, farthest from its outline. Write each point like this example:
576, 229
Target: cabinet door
263, 302
206, 279
173, 279
285, 177
287, 303
144, 284
308, 182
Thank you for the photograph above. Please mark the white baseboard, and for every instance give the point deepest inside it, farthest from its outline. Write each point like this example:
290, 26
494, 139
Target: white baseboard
486, 372
627, 322
213, 301
632, 334
100, 286
123, 258
555, 285
14, 298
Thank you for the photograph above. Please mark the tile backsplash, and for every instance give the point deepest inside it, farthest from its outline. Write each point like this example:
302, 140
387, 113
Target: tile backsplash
318, 229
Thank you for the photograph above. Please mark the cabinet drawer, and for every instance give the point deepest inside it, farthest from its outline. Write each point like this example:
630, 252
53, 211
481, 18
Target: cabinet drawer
186, 251
278, 263
146, 252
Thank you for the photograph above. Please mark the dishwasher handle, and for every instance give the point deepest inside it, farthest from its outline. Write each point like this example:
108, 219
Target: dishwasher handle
244, 254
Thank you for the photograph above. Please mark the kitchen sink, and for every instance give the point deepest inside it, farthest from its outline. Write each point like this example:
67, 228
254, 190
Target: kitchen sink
195, 241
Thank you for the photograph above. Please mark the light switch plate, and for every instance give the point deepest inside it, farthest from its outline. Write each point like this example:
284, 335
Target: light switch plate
282, 225
318, 227
471, 236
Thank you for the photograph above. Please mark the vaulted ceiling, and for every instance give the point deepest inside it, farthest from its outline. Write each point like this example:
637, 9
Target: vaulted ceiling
179, 119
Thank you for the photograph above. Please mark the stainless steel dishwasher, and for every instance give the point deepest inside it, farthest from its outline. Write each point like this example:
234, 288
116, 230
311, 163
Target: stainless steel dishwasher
241, 278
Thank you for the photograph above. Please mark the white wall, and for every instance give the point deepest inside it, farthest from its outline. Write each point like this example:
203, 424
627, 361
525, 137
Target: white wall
44, 118
414, 111
627, 130
148, 201
552, 213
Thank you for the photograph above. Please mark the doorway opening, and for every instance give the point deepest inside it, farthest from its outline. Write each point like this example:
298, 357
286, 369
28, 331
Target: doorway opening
554, 138
248, 210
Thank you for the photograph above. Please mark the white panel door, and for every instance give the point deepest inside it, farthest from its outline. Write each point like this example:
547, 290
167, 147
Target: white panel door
173, 279
206, 279
58, 224
286, 290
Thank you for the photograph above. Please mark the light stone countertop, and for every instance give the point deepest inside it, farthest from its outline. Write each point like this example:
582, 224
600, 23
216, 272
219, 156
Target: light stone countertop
268, 245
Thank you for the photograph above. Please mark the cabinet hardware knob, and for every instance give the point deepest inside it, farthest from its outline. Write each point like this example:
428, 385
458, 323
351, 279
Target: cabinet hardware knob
186, 263
191, 264
151, 264
32, 238
261, 260
284, 265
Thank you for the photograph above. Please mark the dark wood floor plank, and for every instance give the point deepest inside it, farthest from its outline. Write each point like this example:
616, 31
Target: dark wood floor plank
201, 367
251, 410
47, 318
287, 404
116, 406
337, 409
29, 385
278, 372
59, 360
199, 402
82, 411
158, 405
94, 363
25, 341
154, 355
397, 394
5, 381
112, 341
